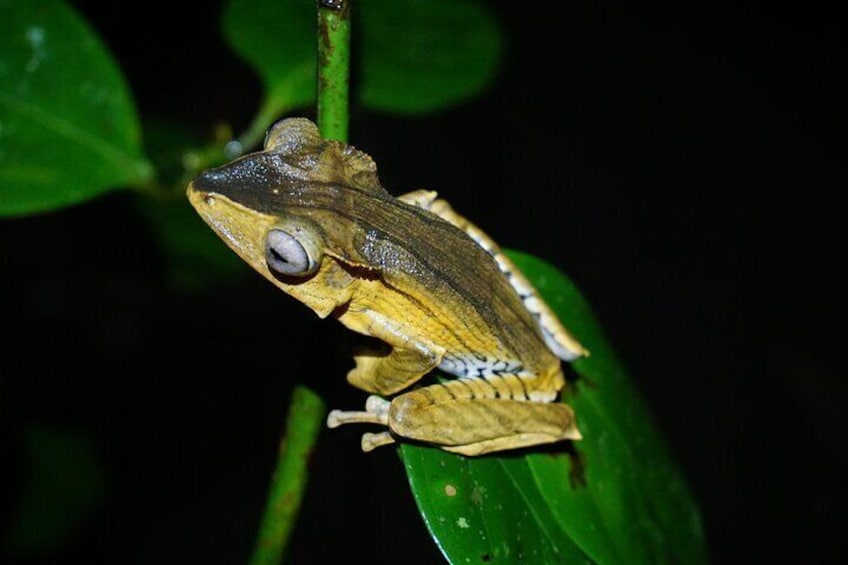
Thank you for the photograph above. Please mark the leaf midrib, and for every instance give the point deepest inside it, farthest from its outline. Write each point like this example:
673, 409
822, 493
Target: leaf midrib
122, 160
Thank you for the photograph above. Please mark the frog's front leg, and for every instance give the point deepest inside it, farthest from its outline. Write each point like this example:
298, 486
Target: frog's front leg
384, 374
407, 359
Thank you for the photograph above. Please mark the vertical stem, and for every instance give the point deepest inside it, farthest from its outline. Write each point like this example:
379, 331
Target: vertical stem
333, 67
306, 411
306, 415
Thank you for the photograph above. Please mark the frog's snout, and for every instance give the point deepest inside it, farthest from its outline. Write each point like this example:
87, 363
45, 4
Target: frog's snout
211, 180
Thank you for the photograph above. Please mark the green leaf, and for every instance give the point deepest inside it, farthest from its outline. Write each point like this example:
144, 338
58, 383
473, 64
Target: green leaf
414, 56
616, 497
486, 512
419, 56
631, 478
68, 127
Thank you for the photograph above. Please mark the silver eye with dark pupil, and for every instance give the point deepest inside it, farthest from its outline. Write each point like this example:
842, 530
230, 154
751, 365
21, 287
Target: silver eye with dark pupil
286, 255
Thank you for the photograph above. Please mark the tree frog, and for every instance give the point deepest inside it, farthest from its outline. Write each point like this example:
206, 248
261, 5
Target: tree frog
311, 216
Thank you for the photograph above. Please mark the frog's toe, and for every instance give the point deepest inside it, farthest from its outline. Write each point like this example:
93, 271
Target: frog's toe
338, 418
378, 406
371, 441
376, 412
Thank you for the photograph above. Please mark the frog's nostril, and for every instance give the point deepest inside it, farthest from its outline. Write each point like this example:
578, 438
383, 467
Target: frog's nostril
209, 180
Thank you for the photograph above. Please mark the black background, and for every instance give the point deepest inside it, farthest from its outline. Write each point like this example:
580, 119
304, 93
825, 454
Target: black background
682, 163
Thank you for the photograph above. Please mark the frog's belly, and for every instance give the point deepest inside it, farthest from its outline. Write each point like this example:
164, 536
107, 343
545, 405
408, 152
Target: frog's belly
494, 378
477, 366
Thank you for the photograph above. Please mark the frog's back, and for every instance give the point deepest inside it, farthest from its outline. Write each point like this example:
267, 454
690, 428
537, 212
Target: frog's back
460, 296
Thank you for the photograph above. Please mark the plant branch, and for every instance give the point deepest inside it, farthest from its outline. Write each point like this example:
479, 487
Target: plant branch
333, 67
306, 411
288, 485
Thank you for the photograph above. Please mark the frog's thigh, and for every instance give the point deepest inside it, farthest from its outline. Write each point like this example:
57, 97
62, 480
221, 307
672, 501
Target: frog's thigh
387, 373
453, 416
429, 200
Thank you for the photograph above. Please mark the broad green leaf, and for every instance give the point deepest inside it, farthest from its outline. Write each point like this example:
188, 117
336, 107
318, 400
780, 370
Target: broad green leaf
632, 482
617, 497
68, 127
419, 56
414, 56
488, 512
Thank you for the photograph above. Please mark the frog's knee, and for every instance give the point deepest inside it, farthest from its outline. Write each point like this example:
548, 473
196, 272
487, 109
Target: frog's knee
404, 409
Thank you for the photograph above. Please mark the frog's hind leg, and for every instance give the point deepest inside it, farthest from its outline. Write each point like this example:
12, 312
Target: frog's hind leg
420, 198
470, 416
556, 337
476, 416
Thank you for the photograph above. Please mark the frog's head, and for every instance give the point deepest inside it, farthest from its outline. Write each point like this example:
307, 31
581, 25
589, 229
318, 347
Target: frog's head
269, 206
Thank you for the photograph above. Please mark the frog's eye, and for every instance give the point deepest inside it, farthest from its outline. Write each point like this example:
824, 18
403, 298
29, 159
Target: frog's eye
287, 255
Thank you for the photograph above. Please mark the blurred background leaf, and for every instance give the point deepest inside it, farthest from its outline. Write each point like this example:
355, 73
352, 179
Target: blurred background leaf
419, 56
68, 126
65, 482
193, 257
412, 56
278, 39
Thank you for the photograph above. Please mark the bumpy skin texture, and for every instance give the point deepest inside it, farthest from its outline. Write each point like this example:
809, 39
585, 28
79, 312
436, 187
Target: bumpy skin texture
410, 272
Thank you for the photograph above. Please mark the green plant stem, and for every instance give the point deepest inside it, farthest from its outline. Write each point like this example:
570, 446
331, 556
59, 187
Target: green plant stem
304, 422
333, 91
306, 411
333, 67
